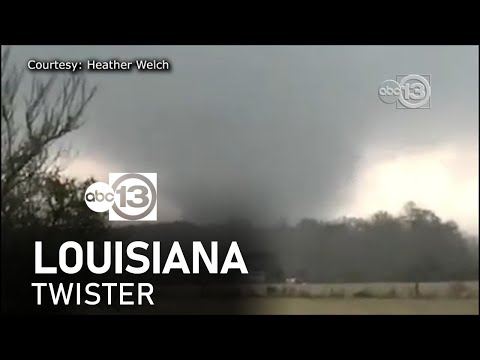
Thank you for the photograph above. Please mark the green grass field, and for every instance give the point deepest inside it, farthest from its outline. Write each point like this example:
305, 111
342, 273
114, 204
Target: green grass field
302, 306
365, 306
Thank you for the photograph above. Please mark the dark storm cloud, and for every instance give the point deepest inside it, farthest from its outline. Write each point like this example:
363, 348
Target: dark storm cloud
273, 130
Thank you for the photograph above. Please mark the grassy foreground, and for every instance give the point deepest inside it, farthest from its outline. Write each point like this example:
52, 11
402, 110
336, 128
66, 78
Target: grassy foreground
303, 306
366, 306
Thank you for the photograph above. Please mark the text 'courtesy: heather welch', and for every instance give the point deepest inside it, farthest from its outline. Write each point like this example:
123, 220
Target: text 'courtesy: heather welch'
99, 65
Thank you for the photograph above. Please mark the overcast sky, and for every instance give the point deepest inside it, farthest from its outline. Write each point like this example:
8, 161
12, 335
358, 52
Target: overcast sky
283, 131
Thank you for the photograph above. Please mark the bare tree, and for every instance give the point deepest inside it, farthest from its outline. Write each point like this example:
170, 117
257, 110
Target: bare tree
51, 110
